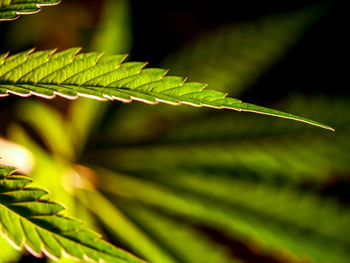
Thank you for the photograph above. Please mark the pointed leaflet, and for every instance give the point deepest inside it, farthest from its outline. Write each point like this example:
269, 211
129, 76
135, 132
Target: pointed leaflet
29, 220
69, 74
12, 9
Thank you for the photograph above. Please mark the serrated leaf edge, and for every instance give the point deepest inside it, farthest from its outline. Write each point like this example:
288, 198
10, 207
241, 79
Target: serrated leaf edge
42, 248
231, 103
18, 13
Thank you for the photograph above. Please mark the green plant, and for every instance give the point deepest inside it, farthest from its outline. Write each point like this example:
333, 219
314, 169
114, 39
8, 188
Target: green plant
141, 201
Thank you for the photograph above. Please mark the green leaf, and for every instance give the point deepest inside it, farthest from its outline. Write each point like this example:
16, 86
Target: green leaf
69, 74
29, 220
114, 33
125, 229
12, 9
56, 138
271, 217
185, 241
308, 158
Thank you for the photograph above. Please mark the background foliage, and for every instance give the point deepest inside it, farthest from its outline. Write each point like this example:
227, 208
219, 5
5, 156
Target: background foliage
197, 185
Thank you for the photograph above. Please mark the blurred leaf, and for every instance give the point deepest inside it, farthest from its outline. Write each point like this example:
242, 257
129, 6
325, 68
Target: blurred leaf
277, 160
12, 9
233, 57
185, 241
68, 74
289, 227
31, 221
57, 137
83, 120
120, 226
114, 33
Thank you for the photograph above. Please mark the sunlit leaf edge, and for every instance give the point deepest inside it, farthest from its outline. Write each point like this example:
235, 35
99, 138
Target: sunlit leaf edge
31, 221
71, 74
12, 11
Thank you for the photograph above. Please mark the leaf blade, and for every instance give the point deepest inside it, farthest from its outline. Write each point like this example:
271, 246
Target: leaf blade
39, 227
69, 74
11, 10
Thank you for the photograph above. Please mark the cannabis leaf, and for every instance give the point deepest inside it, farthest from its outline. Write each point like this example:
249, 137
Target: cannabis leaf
30, 220
69, 74
12, 9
